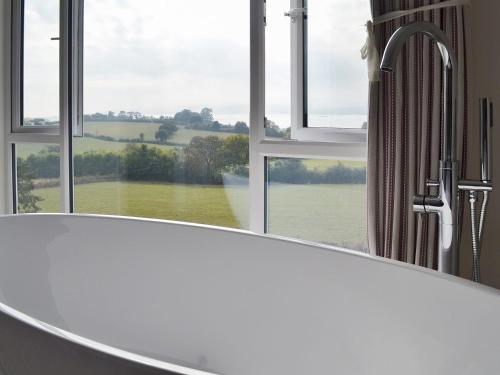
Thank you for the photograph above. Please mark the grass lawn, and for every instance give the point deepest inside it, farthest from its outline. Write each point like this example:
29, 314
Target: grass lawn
134, 129
120, 130
332, 214
82, 145
322, 165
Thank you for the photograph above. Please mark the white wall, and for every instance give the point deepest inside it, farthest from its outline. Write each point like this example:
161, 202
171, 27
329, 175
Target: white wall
485, 82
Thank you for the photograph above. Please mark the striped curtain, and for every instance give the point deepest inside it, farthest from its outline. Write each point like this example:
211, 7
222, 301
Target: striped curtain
406, 131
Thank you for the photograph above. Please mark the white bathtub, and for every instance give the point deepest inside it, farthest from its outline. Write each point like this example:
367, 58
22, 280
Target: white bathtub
106, 295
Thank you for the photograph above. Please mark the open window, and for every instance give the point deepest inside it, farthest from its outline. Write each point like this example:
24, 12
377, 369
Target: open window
40, 70
329, 84
167, 133
35, 64
308, 144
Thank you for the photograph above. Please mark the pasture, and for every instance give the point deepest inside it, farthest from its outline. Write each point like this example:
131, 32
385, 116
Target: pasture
123, 130
333, 214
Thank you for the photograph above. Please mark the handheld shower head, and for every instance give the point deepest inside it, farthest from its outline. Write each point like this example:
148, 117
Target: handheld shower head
486, 123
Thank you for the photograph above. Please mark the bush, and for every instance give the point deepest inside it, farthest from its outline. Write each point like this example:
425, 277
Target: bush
98, 164
203, 161
143, 163
27, 202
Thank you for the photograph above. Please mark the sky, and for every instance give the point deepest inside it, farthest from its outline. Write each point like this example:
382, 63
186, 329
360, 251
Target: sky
160, 56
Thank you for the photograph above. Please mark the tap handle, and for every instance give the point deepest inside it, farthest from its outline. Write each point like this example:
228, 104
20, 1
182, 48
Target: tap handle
486, 123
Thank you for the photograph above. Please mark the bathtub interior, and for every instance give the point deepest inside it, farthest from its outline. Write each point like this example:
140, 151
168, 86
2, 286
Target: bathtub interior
234, 303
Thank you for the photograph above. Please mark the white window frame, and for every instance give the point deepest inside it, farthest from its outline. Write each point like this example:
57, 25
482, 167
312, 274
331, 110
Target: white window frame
70, 99
17, 84
308, 143
300, 131
314, 143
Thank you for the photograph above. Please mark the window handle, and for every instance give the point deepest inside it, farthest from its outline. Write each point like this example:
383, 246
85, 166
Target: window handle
295, 13
55, 38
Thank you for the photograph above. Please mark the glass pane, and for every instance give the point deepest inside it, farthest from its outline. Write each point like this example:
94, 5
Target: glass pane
278, 83
318, 200
41, 63
166, 111
336, 76
38, 188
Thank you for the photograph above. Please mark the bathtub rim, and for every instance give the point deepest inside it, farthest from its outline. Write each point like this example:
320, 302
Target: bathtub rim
180, 369
271, 237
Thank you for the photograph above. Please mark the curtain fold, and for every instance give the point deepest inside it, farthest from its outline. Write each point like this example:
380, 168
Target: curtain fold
405, 133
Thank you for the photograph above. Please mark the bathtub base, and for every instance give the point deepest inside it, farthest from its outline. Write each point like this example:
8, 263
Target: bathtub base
28, 351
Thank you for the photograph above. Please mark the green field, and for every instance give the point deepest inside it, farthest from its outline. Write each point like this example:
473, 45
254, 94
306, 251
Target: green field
131, 130
332, 214
322, 165
134, 129
117, 130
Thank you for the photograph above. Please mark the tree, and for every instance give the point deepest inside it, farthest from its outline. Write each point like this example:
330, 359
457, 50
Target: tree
207, 116
26, 200
188, 117
241, 127
274, 131
165, 131
215, 126
235, 151
291, 171
143, 163
203, 160
161, 135
167, 120
141, 137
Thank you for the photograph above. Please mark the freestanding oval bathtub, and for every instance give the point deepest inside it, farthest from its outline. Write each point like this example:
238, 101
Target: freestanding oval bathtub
107, 295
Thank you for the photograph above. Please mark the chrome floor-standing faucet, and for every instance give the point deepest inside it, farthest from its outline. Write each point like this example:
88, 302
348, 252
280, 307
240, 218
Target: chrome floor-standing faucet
445, 204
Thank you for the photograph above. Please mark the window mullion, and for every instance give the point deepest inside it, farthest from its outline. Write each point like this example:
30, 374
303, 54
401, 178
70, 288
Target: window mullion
12, 173
78, 63
16, 64
297, 67
257, 114
68, 97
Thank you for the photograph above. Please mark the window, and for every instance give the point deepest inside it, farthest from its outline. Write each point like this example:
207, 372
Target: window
36, 64
37, 172
318, 200
166, 111
278, 79
335, 77
329, 81
204, 118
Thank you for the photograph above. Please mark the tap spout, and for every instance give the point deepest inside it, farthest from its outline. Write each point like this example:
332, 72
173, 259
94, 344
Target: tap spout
389, 62
401, 36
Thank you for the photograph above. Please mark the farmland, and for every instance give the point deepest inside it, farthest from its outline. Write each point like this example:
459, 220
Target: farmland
324, 213
329, 213
121, 130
